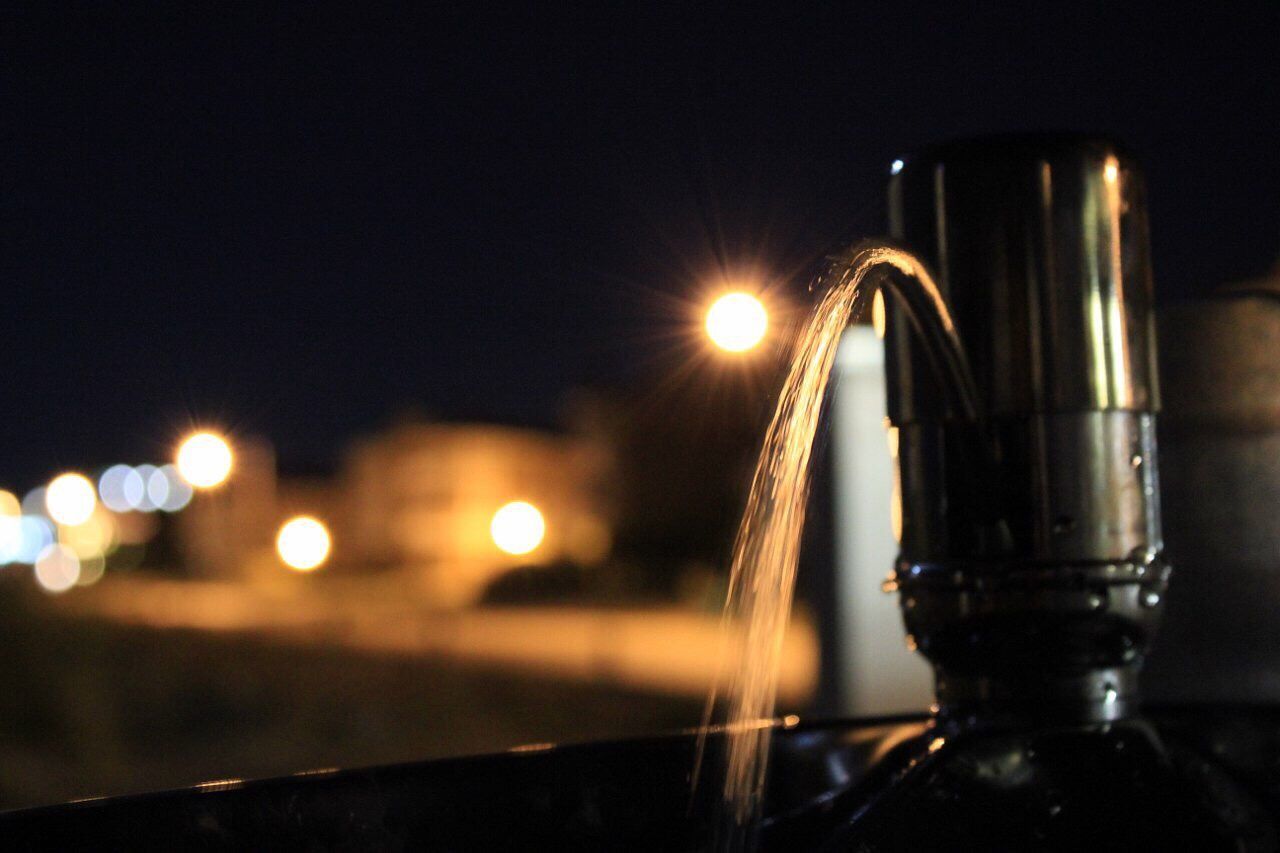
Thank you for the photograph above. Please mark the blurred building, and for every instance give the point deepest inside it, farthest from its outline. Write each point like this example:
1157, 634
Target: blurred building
423, 497
418, 499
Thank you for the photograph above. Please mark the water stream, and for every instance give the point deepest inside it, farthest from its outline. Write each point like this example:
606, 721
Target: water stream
767, 549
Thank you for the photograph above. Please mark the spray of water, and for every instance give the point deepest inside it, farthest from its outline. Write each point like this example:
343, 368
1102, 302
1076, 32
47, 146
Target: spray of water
762, 578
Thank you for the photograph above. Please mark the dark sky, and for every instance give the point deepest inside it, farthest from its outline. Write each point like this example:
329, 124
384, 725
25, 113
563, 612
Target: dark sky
297, 222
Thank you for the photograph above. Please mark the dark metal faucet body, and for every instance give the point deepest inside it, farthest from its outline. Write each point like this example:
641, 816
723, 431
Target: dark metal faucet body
1030, 568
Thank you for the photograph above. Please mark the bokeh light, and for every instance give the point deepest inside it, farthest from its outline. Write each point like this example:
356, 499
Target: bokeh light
35, 533
737, 322
57, 568
70, 499
204, 460
178, 492
517, 528
96, 537
135, 488
111, 488
303, 543
33, 502
10, 527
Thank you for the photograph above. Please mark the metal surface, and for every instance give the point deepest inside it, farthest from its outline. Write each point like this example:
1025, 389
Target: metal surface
1193, 780
1031, 542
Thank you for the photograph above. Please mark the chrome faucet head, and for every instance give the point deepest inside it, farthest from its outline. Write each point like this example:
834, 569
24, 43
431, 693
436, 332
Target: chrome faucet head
1030, 570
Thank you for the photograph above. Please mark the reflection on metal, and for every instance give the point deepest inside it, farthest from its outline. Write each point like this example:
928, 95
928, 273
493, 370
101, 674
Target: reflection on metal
1030, 570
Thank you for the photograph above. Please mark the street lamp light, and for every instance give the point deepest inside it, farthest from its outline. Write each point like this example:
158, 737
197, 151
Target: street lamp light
737, 322
204, 460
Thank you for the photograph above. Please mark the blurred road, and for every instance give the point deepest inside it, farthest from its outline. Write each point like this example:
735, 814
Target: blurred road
667, 650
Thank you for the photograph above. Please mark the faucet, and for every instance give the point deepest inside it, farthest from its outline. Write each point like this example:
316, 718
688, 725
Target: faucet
1030, 573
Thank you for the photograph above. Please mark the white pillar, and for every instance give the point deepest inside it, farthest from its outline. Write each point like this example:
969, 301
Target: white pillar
880, 675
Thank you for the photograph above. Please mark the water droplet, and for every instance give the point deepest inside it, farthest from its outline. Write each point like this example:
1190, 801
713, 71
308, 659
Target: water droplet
1110, 694
1096, 601
1136, 461
909, 604
1054, 809
1144, 555
1150, 598
911, 642
889, 585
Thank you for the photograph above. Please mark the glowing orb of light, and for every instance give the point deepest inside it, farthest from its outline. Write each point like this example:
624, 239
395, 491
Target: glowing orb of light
57, 568
737, 322
137, 489
70, 499
517, 528
112, 490
303, 543
204, 460
33, 534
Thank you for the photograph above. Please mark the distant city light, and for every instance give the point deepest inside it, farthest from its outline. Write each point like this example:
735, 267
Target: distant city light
517, 528
33, 535
204, 460
178, 492
157, 488
137, 491
303, 543
737, 322
57, 568
896, 167
33, 502
93, 538
10, 527
91, 570
112, 489
70, 499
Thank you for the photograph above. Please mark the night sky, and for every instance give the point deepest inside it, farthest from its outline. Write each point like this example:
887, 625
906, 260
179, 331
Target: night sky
299, 223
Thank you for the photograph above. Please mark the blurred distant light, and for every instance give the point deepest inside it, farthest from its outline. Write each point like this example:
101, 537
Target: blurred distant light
57, 568
10, 527
303, 543
10, 538
517, 528
178, 491
896, 167
70, 499
157, 488
34, 534
135, 488
877, 314
96, 537
33, 502
204, 460
112, 489
737, 322
1111, 171
91, 570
